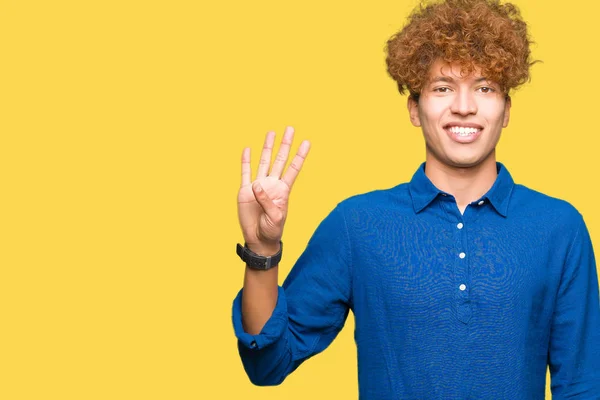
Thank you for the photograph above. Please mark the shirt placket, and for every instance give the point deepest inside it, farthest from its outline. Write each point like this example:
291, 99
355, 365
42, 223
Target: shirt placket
461, 272
461, 257
462, 275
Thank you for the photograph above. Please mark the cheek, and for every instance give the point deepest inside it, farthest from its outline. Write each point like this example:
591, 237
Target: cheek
493, 112
430, 112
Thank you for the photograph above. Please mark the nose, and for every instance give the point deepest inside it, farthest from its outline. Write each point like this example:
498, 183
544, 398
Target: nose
464, 103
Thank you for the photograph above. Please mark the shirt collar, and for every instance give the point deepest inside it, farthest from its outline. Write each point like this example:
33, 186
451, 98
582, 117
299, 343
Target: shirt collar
423, 191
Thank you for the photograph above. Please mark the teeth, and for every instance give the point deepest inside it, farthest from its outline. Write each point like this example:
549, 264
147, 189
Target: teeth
462, 131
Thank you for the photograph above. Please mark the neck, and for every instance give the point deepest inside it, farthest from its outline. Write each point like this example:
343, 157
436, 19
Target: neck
465, 184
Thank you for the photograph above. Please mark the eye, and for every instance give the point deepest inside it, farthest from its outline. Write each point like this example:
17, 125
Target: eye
443, 89
486, 89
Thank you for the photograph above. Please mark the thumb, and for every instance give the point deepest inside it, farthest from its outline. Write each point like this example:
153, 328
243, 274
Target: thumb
266, 203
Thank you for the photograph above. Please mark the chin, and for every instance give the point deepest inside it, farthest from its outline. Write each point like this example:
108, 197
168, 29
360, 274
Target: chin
468, 159
460, 158
465, 162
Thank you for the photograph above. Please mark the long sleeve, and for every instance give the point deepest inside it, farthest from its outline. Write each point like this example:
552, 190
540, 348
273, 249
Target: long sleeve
312, 307
574, 352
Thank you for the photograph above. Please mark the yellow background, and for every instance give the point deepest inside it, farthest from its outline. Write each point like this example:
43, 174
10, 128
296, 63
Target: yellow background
122, 125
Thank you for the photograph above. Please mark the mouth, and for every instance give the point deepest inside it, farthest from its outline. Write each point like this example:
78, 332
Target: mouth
463, 133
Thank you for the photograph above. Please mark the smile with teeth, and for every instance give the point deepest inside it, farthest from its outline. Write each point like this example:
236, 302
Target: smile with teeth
463, 131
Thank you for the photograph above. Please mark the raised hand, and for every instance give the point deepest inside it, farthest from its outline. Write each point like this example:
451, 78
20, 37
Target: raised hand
263, 203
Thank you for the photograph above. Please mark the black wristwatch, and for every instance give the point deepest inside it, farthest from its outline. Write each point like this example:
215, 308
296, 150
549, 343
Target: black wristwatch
255, 261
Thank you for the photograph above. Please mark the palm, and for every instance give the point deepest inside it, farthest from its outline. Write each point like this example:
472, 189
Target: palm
262, 221
254, 220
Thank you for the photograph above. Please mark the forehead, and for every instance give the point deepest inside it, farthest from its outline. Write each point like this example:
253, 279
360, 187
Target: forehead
447, 72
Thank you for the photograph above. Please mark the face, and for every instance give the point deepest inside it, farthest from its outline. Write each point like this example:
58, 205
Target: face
461, 116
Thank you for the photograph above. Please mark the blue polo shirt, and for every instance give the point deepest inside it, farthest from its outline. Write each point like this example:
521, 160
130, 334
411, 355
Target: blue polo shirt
446, 305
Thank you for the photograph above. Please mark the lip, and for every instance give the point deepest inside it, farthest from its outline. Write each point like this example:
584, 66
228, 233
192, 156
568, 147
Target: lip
463, 125
463, 139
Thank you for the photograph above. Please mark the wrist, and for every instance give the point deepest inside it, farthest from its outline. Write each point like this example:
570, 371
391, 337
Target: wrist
267, 260
264, 250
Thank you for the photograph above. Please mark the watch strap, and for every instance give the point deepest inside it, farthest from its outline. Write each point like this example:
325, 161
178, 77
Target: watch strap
256, 261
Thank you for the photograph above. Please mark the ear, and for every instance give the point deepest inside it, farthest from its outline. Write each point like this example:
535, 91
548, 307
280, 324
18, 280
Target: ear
507, 105
413, 111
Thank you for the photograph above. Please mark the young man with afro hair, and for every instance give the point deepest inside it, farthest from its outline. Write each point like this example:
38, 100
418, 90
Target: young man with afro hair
463, 284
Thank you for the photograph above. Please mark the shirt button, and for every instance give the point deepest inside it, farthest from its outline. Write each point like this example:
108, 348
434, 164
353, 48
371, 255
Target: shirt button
253, 344
462, 255
462, 286
481, 202
460, 225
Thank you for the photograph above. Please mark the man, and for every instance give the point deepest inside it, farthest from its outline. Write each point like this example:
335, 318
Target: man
464, 285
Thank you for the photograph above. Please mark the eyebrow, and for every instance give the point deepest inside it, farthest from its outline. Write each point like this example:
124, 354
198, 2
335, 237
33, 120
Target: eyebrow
450, 79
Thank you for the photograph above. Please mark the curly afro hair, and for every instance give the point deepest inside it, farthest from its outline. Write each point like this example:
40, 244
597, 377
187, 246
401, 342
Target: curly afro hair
471, 33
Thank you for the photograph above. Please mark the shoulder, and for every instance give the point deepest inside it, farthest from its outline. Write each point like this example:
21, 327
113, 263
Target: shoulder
378, 198
544, 209
379, 202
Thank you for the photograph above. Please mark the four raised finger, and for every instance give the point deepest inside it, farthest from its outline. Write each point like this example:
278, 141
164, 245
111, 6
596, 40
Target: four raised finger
296, 165
246, 172
284, 151
265, 157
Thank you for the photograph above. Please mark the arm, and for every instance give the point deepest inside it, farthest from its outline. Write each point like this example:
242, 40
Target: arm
311, 308
280, 327
262, 210
574, 352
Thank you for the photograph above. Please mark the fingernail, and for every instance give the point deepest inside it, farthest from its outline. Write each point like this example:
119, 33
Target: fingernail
257, 187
